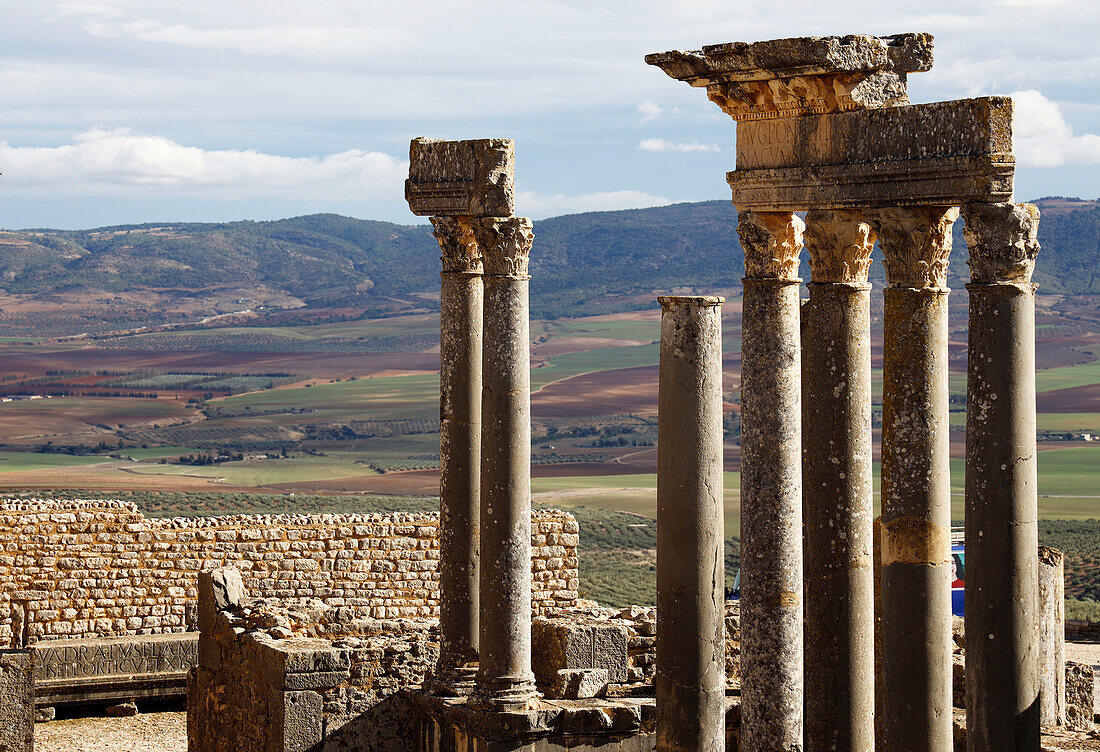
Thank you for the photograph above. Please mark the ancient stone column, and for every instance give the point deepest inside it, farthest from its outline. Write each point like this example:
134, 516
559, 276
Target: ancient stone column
1052, 637
691, 637
504, 679
1002, 539
771, 483
916, 481
837, 488
459, 454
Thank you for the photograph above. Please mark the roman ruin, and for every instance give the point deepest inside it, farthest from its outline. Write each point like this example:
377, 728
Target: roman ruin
824, 125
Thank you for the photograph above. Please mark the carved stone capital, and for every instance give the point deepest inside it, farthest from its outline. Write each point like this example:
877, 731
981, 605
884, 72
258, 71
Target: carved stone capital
1002, 241
505, 244
456, 240
916, 244
840, 244
772, 242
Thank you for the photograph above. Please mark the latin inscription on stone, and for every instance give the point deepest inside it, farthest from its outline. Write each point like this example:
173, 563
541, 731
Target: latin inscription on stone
78, 659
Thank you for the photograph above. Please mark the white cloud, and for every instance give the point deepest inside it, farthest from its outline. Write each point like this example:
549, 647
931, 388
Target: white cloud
1043, 138
532, 204
649, 111
659, 144
127, 163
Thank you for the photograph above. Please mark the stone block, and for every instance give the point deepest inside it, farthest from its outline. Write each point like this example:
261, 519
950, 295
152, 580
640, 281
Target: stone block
1079, 696
16, 701
803, 75
122, 710
567, 644
578, 684
301, 721
113, 668
474, 178
939, 154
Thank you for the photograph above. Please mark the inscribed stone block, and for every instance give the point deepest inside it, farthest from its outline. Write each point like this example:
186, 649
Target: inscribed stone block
16, 701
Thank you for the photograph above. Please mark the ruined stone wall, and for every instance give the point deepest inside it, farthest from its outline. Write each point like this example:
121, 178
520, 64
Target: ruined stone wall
82, 568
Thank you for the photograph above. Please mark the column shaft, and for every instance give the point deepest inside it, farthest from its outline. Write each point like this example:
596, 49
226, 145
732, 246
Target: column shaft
771, 485
837, 486
1002, 640
691, 639
1052, 637
504, 679
916, 483
460, 332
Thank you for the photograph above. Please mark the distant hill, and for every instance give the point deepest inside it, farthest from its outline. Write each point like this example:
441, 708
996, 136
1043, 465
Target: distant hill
600, 260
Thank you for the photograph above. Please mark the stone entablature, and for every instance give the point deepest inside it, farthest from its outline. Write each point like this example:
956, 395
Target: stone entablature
99, 568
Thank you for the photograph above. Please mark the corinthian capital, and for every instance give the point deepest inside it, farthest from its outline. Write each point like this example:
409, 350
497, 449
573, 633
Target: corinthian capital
456, 240
840, 244
772, 242
505, 244
916, 244
1002, 241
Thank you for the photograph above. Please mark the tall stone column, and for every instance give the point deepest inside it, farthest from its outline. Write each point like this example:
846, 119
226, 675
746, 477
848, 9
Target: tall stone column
691, 640
504, 679
460, 323
1002, 539
916, 481
837, 488
771, 484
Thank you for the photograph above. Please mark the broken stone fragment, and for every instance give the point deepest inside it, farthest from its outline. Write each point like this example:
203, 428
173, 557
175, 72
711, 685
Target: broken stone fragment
578, 684
474, 178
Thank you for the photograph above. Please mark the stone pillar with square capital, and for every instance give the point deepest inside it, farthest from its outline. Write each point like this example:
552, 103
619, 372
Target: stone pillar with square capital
460, 331
916, 481
505, 680
1002, 572
838, 509
771, 483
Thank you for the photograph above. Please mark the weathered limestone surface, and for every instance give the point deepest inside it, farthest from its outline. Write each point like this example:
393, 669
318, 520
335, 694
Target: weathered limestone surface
771, 483
916, 488
936, 154
474, 178
504, 678
1002, 587
691, 678
1080, 700
16, 701
96, 568
838, 507
578, 643
460, 337
1052, 638
801, 75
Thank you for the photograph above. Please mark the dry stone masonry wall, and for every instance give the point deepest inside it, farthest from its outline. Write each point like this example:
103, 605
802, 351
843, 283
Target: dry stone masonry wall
84, 568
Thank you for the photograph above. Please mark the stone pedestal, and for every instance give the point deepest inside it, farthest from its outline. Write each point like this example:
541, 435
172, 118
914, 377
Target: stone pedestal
460, 332
837, 487
691, 666
504, 679
1002, 634
771, 483
916, 482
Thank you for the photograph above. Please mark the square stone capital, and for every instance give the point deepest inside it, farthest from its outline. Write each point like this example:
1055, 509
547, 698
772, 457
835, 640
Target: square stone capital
474, 178
802, 75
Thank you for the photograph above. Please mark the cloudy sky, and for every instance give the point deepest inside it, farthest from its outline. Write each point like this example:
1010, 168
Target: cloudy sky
121, 111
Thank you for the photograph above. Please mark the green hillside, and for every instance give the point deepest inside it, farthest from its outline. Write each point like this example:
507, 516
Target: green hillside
606, 260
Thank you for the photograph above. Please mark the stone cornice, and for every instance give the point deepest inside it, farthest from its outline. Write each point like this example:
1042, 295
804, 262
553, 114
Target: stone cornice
840, 245
1002, 241
772, 242
460, 250
505, 244
916, 244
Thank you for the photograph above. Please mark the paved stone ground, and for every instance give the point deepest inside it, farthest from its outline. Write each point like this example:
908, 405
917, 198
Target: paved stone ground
146, 732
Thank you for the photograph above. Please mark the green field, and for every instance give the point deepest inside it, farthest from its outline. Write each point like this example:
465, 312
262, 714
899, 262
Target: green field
261, 472
11, 462
414, 396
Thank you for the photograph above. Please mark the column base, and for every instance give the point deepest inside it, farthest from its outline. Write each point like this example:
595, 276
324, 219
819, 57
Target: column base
505, 693
457, 681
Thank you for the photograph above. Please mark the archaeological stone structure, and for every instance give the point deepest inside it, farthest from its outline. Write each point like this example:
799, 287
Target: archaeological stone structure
825, 126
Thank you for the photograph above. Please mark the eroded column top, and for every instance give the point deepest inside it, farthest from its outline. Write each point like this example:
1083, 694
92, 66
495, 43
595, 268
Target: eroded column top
801, 75
772, 242
916, 244
461, 253
505, 244
474, 178
840, 244
1002, 240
